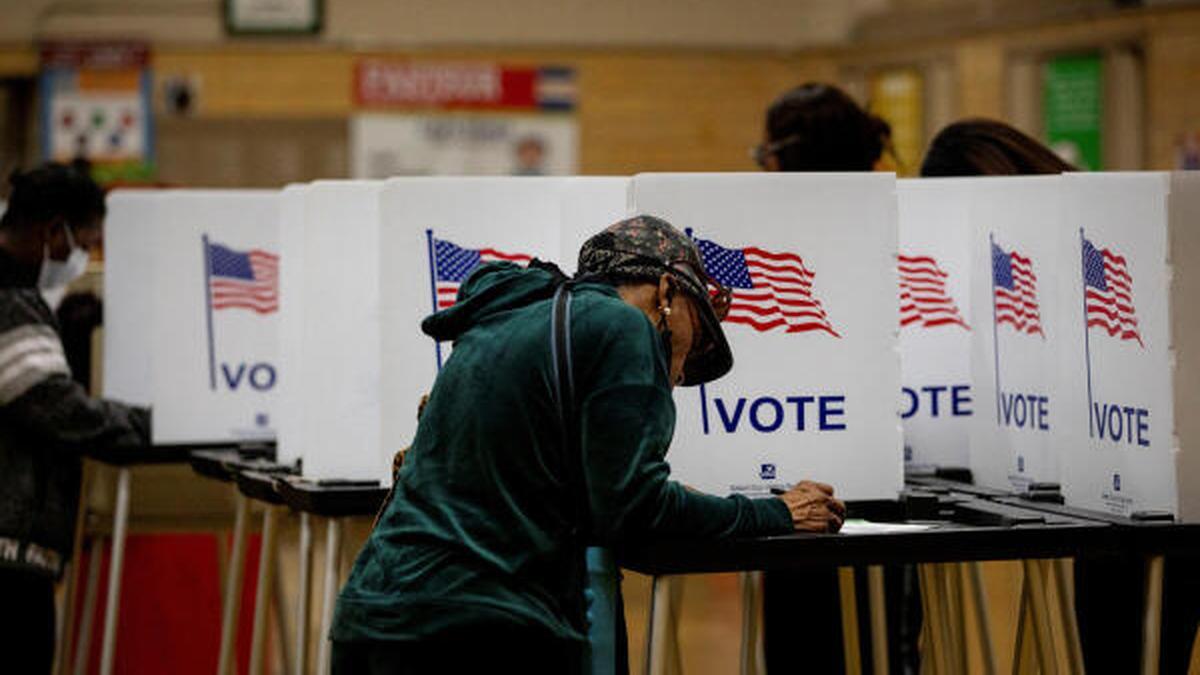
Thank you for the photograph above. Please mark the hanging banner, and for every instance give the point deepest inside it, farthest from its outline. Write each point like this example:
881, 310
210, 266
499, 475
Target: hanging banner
429, 119
1072, 101
96, 107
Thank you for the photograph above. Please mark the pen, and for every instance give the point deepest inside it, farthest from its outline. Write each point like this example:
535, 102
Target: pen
778, 491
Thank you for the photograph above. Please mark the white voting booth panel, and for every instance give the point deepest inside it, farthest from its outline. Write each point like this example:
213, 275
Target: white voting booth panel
334, 378
814, 389
1017, 250
289, 409
135, 217
935, 320
1132, 342
214, 316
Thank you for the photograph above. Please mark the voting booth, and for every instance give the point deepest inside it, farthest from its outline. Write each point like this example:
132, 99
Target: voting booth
813, 326
411, 243
933, 266
192, 297
293, 206
1017, 257
1131, 343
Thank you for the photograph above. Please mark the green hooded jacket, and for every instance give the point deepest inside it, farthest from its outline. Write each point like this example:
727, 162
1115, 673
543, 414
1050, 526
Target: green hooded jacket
480, 527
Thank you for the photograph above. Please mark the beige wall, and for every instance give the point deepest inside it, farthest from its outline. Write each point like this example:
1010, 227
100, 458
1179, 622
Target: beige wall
684, 109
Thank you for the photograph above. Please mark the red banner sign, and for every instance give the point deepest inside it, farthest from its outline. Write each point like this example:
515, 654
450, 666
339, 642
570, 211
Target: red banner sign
471, 86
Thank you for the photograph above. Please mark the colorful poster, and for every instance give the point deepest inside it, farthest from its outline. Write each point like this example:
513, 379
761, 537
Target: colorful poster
96, 107
434, 119
1073, 105
898, 96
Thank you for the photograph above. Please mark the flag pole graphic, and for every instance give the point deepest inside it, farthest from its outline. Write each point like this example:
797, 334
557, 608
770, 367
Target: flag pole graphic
1087, 340
995, 328
433, 288
212, 355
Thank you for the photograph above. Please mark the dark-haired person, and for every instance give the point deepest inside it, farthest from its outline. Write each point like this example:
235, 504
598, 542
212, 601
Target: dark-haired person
983, 147
47, 420
477, 564
818, 127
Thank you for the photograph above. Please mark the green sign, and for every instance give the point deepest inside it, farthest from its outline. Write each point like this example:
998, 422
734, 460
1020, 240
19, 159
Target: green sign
1073, 104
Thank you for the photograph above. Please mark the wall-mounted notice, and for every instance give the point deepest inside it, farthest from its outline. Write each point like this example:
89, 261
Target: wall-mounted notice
814, 388
462, 118
1073, 106
935, 320
96, 106
1017, 253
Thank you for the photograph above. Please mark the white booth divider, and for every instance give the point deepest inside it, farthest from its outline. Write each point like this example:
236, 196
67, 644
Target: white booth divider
1017, 258
589, 204
814, 390
935, 320
1132, 343
289, 444
135, 217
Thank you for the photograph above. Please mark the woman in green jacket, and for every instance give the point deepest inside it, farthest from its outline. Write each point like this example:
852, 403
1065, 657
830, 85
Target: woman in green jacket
478, 561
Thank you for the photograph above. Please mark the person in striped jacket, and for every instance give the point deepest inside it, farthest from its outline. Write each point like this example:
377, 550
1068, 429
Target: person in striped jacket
47, 420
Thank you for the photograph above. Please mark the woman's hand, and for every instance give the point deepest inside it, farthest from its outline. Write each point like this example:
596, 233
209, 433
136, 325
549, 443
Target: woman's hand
814, 508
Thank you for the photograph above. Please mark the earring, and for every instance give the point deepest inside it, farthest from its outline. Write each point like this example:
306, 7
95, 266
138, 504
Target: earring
665, 310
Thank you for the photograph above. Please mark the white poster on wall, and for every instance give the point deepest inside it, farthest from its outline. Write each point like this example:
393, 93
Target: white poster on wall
214, 317
935, 320
1017, 252
1119, 432
383, 145
814, 390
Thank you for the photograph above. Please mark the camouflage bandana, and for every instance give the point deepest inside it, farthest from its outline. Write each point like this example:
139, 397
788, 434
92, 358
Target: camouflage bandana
644, 247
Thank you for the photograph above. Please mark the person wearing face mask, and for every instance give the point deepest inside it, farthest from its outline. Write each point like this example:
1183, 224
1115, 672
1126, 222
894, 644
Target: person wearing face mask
477, 563
47, 420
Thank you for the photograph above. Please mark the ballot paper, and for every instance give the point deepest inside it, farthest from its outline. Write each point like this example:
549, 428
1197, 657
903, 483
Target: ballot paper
1132, 343
935, 320
815, 385
1019, 256
854, 526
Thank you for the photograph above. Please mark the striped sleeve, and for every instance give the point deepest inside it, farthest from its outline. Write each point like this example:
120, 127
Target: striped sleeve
29, 354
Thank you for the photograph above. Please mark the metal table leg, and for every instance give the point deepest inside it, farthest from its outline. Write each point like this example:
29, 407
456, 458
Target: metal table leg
1040, 608
304, 592
850, 641
1061, 569
333, 573
751, 623
233, 585
116, 565
879, 636
266, 560
1152, 619
935, 623
972, 573
84, 645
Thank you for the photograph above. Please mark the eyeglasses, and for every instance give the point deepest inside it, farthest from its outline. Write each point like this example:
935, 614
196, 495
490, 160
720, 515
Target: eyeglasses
762, 151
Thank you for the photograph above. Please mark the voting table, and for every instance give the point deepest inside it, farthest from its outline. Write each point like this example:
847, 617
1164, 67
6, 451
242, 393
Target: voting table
976, 524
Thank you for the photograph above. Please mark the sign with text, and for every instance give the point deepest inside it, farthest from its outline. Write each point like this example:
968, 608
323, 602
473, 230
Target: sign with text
1016, 254
935, 320
382, 83
813, 326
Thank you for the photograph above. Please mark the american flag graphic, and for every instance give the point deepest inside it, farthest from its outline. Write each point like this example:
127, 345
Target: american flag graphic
453, 264
770, 290
1015, 286
1108, 292
243, 279
923, 297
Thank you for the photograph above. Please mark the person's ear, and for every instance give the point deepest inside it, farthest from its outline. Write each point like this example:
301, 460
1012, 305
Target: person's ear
665, 294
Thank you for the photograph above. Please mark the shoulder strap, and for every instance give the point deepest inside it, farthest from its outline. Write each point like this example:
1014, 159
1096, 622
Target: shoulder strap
560, 348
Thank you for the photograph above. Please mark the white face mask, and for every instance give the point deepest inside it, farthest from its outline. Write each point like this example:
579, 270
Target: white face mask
56, 275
